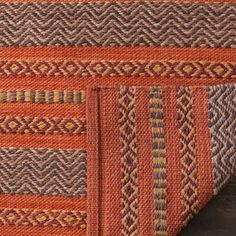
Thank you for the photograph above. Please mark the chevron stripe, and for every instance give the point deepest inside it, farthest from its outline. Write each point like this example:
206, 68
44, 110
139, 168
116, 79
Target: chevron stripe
42, 171
222, 115
118, 24
188, 153
42, 96
168, 69
129, 162
42, 218
159, 161
41, 125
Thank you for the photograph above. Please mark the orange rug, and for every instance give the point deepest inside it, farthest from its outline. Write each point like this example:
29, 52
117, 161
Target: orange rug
157, 155
116, 117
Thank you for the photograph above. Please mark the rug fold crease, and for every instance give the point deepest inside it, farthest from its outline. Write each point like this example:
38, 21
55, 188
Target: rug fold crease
156, 155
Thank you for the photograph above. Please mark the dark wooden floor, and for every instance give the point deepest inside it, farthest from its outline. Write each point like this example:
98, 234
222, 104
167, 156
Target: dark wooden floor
218, 218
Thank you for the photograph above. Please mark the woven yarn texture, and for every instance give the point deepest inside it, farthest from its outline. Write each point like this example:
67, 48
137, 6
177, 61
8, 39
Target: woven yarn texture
117, 118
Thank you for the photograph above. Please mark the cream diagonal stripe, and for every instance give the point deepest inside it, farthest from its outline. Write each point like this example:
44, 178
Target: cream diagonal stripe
222, 124
43, 171
118, 24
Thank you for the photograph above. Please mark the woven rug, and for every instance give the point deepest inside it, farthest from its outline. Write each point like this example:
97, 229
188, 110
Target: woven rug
116, 117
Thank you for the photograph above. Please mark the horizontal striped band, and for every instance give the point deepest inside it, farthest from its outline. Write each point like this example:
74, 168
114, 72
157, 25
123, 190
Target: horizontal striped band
118, 24
42, 96
35, 217
42, 171
42, 125
167, 68
77, 1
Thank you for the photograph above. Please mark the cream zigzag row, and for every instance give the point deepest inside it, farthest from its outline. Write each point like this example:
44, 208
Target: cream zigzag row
42, 171
96, 23
222, 114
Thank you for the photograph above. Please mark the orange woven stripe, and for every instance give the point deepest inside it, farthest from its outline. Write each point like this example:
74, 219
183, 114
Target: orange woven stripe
41, 231
111, 156
204, 159
81, 83
145, 168
103, 158
44, 83
119, 53
174, 207
93, 164
43, 141
43, 202
41, 110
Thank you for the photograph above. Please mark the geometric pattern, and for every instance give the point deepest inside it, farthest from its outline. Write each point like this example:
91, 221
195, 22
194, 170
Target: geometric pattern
121, 111
43, 171
118, 24
129, 191
222, 114
188, 153
42, 96
42, 125
159, 161
143, 68
189, 156
40, 218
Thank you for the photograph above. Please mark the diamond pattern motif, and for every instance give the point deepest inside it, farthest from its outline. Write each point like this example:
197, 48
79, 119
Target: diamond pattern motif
42, 125
188, 153
34, 217
167, 69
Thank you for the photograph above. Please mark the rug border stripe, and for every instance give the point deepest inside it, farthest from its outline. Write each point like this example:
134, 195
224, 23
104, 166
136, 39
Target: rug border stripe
118, 53
203, 150
174, 186
144, 143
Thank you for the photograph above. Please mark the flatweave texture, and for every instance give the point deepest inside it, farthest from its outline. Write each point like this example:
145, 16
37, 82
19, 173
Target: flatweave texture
216, 167
116, 117
118, 24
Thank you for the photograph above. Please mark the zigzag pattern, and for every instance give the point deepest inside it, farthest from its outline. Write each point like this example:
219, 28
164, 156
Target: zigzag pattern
169, 69
42, 171
159, 161
42, 125
118, 24
48, 218
188, 153
222, 115
42, 96
129, 162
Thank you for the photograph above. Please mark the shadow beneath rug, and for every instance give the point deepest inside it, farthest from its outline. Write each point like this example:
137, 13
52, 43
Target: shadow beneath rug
218, 218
